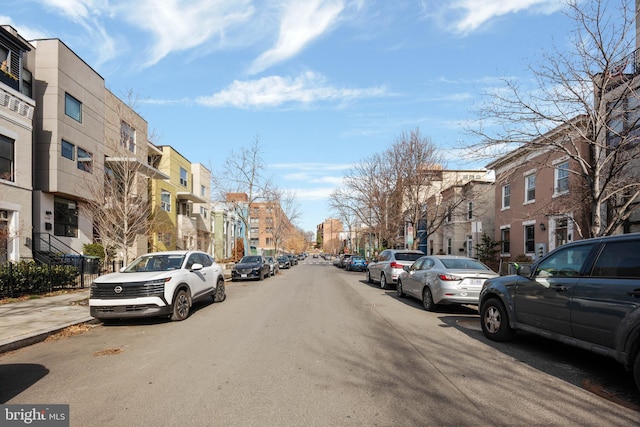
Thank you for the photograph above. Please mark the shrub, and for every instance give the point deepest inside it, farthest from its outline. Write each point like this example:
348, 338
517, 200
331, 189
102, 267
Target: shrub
29, 277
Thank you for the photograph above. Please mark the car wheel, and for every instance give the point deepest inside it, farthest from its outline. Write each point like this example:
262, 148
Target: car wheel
220, 294
383, 281
261, 275
636, 369
495, 321
369, 277
180, 306
399, 289
427, 299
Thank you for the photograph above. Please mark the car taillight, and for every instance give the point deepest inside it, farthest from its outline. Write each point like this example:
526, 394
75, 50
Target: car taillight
449, 277
396, 265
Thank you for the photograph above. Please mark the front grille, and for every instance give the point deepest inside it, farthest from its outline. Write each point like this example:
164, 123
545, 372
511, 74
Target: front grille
129, 290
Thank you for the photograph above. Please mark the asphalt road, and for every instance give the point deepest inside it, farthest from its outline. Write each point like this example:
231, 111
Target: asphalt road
313, 346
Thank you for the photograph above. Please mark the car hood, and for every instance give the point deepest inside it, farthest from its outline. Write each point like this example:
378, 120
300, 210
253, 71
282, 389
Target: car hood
139, 276
245, 265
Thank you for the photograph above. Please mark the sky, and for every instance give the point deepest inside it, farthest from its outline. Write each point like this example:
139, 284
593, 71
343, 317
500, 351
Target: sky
321, 84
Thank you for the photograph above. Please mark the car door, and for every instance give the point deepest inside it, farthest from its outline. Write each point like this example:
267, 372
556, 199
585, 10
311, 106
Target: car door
200, 281
543, 300
604, 299
417, 277
376, 267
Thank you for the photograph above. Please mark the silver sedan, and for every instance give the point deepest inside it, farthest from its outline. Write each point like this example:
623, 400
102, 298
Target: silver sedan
444, 279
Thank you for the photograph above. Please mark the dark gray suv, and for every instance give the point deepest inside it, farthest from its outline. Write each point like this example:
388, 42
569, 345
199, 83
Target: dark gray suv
585, 294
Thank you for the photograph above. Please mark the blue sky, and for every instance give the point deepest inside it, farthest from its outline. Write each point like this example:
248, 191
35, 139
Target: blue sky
322, 84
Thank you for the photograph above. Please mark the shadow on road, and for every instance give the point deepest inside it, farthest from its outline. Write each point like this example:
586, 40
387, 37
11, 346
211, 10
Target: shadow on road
17, 377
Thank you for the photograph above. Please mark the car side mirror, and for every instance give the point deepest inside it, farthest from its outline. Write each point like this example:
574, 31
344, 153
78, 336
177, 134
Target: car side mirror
406, 268
523, 270
196, 266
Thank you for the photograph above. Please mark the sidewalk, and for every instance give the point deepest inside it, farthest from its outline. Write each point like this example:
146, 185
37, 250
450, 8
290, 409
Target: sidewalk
27, 322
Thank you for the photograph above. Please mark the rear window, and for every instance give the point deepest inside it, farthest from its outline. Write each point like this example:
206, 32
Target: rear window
464, 264
408, 256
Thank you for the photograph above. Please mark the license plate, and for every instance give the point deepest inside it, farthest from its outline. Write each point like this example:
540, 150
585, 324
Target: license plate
243, 275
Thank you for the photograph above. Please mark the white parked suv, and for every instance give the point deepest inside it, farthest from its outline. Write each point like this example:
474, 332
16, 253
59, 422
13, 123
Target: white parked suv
389, 264
157, 284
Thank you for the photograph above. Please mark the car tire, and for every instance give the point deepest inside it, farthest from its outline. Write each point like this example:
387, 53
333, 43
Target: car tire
636, 369
427, 299
369, 277
180, 306
220, 294
261, 275
383, 281
495, 321
399, 289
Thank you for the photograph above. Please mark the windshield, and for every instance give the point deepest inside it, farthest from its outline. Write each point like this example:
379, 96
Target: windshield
155, 263
249, 259
464, 264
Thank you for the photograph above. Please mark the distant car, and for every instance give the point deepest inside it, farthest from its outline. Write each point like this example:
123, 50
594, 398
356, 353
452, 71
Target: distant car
284, 262
293, 259
356, 263
157, 284
388, 265
273, 265
341, 260
250, 267
444, 279
584, 293
315, 256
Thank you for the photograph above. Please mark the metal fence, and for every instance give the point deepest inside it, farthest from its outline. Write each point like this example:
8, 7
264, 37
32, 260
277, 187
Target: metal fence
34, 278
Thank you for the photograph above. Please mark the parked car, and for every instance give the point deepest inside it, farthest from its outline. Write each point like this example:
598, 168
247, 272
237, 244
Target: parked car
157, 284
273, 266
341, 260
292, 259
585, 293
444, 279
388, 265
284, 262
356, 263
250, 267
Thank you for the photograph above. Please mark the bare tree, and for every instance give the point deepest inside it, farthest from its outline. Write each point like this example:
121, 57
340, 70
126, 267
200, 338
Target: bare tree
590, 92
419, 168
284, 211
243, 173
120, 203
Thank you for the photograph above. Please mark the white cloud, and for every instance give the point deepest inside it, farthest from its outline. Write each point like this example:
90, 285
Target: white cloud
272, 91
465, 16
178, 25
301, 23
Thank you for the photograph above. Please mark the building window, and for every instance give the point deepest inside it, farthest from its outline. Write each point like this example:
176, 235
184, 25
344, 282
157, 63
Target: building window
67, 149
7, 156
506, 196
470, 210
562, 231
529, 188
183, 177
254, 243
85, 160
165, 201
269, 241
165, 239
127, 136
27, 83
449, 245
65, 217
505, 240
203, 212
561, 178
530, 238
202, 191
72, 107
